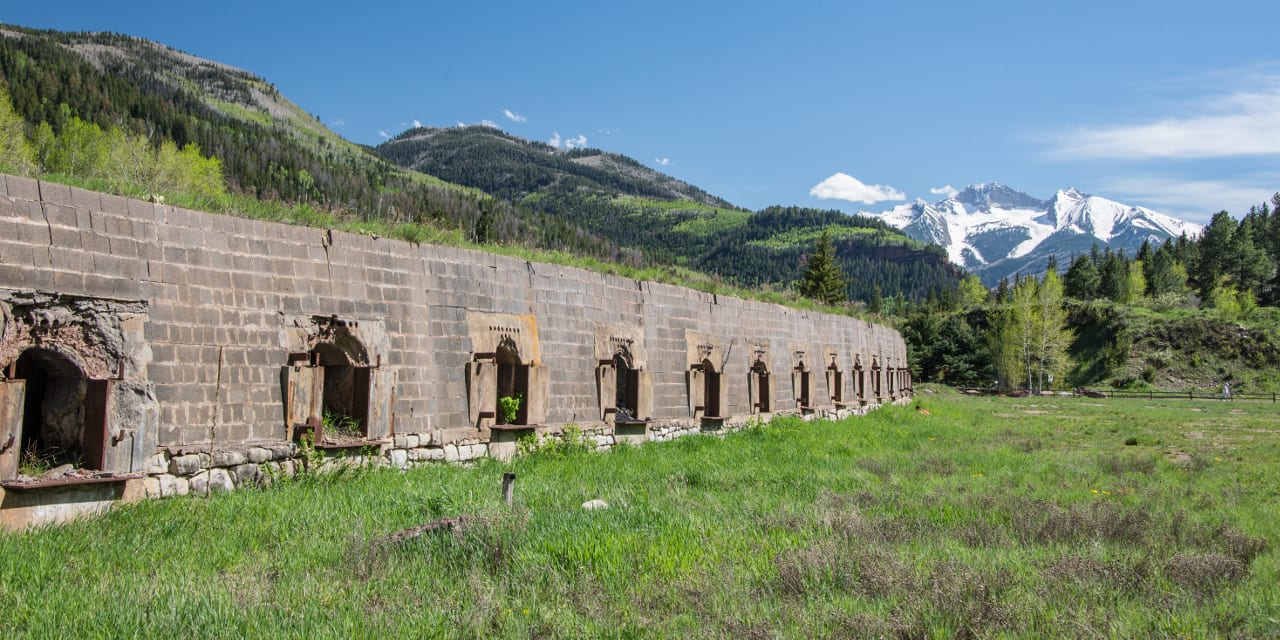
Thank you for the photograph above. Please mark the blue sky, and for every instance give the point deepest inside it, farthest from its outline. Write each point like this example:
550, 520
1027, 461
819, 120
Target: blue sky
1170, 105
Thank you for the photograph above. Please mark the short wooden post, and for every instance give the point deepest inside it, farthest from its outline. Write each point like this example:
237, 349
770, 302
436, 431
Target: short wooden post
508, 487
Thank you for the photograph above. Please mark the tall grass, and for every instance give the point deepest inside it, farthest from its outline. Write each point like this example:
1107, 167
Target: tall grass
983, 517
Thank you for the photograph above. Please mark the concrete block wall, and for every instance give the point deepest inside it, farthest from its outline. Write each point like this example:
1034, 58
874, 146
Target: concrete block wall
228, 299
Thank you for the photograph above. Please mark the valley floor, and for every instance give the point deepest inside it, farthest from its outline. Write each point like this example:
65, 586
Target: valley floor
954, 516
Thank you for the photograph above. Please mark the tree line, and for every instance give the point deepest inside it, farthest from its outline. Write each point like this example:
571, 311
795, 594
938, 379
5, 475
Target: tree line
1022, 333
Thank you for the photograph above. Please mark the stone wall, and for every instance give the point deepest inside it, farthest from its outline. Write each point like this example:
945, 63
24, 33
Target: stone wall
230, 322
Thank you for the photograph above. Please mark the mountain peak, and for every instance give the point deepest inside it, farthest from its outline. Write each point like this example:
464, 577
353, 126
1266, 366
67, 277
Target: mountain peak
995, 230
993, 194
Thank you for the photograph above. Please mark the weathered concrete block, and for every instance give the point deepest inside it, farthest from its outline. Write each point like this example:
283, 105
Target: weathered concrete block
22, 188
259, 455
451, 453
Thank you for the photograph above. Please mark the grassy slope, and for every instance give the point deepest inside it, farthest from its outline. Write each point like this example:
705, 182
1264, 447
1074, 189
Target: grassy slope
1178, 349
992, 516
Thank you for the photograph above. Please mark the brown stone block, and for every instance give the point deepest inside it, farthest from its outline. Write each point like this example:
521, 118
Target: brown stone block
114, 205
140, 210
86, 200
55, 193
23, 188
124, 247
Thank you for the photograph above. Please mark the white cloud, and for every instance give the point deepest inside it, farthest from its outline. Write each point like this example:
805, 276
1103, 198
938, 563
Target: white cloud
384, 134
842, 186
948, 191
513, 116
337, 122
1194, 200
489, 123
1245, 123
417, 125
577, 142
662, 161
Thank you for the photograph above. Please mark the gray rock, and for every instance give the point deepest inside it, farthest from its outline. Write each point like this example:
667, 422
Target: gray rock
57, 472
159, 463
399, 458
184, 465
229, 458
258, 455
595, 505
220, 481
200, 483
167, 485
246, 474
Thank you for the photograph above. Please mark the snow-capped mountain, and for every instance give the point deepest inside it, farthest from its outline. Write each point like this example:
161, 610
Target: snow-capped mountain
995, 231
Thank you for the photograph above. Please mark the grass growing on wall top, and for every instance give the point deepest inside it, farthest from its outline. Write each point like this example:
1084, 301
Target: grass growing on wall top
987, 517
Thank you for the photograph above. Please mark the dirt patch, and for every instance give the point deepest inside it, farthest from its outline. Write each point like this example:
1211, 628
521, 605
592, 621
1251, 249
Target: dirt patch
1195, 435
1036, 413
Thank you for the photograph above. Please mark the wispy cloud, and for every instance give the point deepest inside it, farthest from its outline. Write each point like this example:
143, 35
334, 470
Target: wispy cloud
842, 186
662, 161
947, 190
577, 142
337, 122
489, 123
384, 134
1244, 123
417, 125
1194, 200
513, 116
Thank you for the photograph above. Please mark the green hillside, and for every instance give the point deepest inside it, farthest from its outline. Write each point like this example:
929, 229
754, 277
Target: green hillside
668, 221
269, 147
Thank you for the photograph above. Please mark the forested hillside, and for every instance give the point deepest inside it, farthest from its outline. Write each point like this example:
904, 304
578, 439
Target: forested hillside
672, 222
268, 147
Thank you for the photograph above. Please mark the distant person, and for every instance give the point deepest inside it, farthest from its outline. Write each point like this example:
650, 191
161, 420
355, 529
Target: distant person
1226, 391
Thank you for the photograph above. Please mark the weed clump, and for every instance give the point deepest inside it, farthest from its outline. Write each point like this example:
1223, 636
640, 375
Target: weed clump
1203, 573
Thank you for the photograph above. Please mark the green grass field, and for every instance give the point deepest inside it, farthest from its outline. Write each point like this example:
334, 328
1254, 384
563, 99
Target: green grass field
974, 517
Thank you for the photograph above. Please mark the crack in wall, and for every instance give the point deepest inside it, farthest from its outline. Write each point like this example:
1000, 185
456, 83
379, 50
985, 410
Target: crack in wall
49, 227
328, 241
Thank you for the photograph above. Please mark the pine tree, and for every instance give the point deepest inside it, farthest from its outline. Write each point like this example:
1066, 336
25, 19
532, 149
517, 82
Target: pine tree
1214, 246
1081, 281
823, 279
1247, 261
